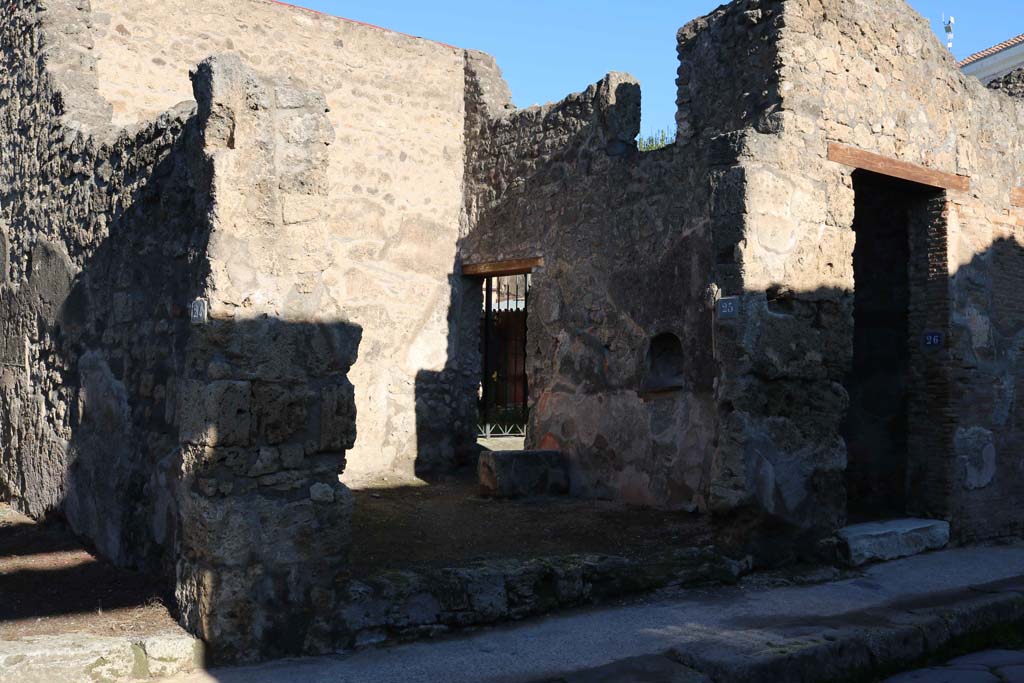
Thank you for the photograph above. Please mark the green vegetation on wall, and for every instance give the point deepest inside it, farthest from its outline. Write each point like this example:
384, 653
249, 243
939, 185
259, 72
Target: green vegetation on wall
660, 138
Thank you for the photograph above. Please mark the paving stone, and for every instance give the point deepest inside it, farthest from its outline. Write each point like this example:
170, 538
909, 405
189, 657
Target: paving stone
652, 669
888, 540
992, 658
1011, 674
944, 675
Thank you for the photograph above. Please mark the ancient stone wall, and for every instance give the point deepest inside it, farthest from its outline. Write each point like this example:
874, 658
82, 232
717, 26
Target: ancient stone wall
267, 409
729, 94
872, 75
1011, 84
948, 121
566, 183
205, 450
320, 199
386, 223
102, 243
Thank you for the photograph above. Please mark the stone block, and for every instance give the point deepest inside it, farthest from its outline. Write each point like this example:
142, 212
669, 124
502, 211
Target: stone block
292, 456
337, 417
321, 493
888, 540
514, 474
280, 411
267, 462
91, 657
217, 413
173, 652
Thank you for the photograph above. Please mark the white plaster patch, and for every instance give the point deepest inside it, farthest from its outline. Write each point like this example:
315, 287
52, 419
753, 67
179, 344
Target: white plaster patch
976, 452
980, 327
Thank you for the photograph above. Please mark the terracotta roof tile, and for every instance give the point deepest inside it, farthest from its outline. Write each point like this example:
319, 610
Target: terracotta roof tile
1019, 40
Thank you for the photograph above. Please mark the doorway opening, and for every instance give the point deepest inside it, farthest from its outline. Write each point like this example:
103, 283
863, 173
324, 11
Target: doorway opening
895, 311
504, 389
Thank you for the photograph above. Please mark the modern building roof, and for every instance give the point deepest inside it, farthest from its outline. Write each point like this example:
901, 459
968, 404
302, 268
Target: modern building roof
1019, 40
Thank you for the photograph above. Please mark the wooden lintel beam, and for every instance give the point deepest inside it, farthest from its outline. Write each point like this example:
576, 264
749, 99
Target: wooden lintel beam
876, 163
1017, 196
499, 268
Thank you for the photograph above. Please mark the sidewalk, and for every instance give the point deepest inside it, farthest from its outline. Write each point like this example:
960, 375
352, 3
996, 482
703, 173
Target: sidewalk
889, 616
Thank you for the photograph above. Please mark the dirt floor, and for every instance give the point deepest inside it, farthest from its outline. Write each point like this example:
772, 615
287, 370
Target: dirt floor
448, 524
49, 584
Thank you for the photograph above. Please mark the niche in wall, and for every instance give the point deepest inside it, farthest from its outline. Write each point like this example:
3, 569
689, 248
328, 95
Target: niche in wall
664, 365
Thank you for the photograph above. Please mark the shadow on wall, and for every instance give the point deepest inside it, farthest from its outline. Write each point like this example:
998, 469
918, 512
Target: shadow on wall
627, 261
267, 416
986, 383
207, 455
446, 400
247, 513
811, 437
93, 343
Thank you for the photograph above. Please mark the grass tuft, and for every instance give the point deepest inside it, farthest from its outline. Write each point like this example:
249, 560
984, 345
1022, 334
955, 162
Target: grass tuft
660, 139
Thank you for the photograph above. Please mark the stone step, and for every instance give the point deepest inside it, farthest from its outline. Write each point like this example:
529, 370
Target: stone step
430, 601
891, 539
92, 657
518, 474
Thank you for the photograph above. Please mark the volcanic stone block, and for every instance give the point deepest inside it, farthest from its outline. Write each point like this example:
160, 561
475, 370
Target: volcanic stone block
217, 413
337, 417
279, 410
514, 474
874, 541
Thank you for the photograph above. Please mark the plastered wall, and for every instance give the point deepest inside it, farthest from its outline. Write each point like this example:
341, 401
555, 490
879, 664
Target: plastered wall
377, 244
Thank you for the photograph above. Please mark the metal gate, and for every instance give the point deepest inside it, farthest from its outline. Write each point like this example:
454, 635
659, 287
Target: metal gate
504, 390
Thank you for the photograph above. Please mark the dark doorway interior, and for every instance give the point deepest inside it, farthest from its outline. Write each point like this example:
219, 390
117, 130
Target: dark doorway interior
876, 428
503, 395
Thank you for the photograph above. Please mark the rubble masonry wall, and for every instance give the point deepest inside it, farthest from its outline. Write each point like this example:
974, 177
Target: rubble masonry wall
103, 233
208, 453
624, 238
872, 75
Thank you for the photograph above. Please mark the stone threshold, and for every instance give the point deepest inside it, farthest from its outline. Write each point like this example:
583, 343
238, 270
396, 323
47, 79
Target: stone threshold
401, 606
891, 539
89, 657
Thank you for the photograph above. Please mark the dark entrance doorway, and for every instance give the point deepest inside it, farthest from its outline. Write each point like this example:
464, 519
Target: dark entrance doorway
504, 390
891, 223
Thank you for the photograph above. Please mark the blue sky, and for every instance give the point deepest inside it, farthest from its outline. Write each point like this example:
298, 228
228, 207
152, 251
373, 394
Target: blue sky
548, 48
